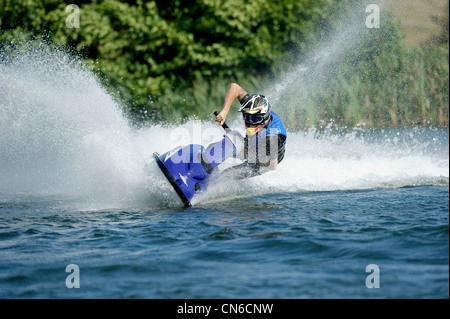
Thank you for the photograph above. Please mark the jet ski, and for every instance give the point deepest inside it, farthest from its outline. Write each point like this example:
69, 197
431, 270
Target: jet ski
188, 168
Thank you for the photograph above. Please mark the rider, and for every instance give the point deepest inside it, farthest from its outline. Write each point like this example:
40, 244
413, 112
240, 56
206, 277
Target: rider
265, 134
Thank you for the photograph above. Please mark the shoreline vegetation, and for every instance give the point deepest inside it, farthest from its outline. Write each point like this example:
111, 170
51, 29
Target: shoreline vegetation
168, 61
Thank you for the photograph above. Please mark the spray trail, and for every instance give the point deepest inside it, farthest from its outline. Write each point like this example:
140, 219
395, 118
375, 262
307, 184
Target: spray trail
298, 94
350, 160
61, 133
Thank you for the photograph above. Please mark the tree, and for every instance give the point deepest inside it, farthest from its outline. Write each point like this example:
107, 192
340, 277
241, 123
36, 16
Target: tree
146, 48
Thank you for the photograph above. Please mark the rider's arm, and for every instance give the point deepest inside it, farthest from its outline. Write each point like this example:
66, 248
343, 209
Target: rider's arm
234, 91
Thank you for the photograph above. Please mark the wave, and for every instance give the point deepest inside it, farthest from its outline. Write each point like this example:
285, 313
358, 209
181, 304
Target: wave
352, 160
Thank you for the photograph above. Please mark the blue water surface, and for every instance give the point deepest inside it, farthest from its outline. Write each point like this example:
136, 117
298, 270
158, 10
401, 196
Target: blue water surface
285, 245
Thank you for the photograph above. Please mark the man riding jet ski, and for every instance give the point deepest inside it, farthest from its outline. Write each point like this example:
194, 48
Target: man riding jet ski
188, 168
264, 144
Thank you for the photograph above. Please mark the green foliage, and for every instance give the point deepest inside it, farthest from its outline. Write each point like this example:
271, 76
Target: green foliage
145, 49
174, 59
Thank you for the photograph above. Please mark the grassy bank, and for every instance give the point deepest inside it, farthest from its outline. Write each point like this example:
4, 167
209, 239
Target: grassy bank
420, 19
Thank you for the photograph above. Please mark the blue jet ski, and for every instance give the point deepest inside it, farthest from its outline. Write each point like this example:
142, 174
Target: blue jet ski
188, 168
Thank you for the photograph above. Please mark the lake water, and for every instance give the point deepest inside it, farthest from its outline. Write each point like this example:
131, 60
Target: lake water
269, 237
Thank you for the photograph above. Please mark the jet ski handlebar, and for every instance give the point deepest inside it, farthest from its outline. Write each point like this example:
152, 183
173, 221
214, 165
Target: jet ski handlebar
224, 125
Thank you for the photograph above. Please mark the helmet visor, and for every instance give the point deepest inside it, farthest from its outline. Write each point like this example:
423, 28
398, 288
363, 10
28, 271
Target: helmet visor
253, 119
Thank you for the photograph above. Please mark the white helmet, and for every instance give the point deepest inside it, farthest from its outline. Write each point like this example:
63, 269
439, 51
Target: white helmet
256, 112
